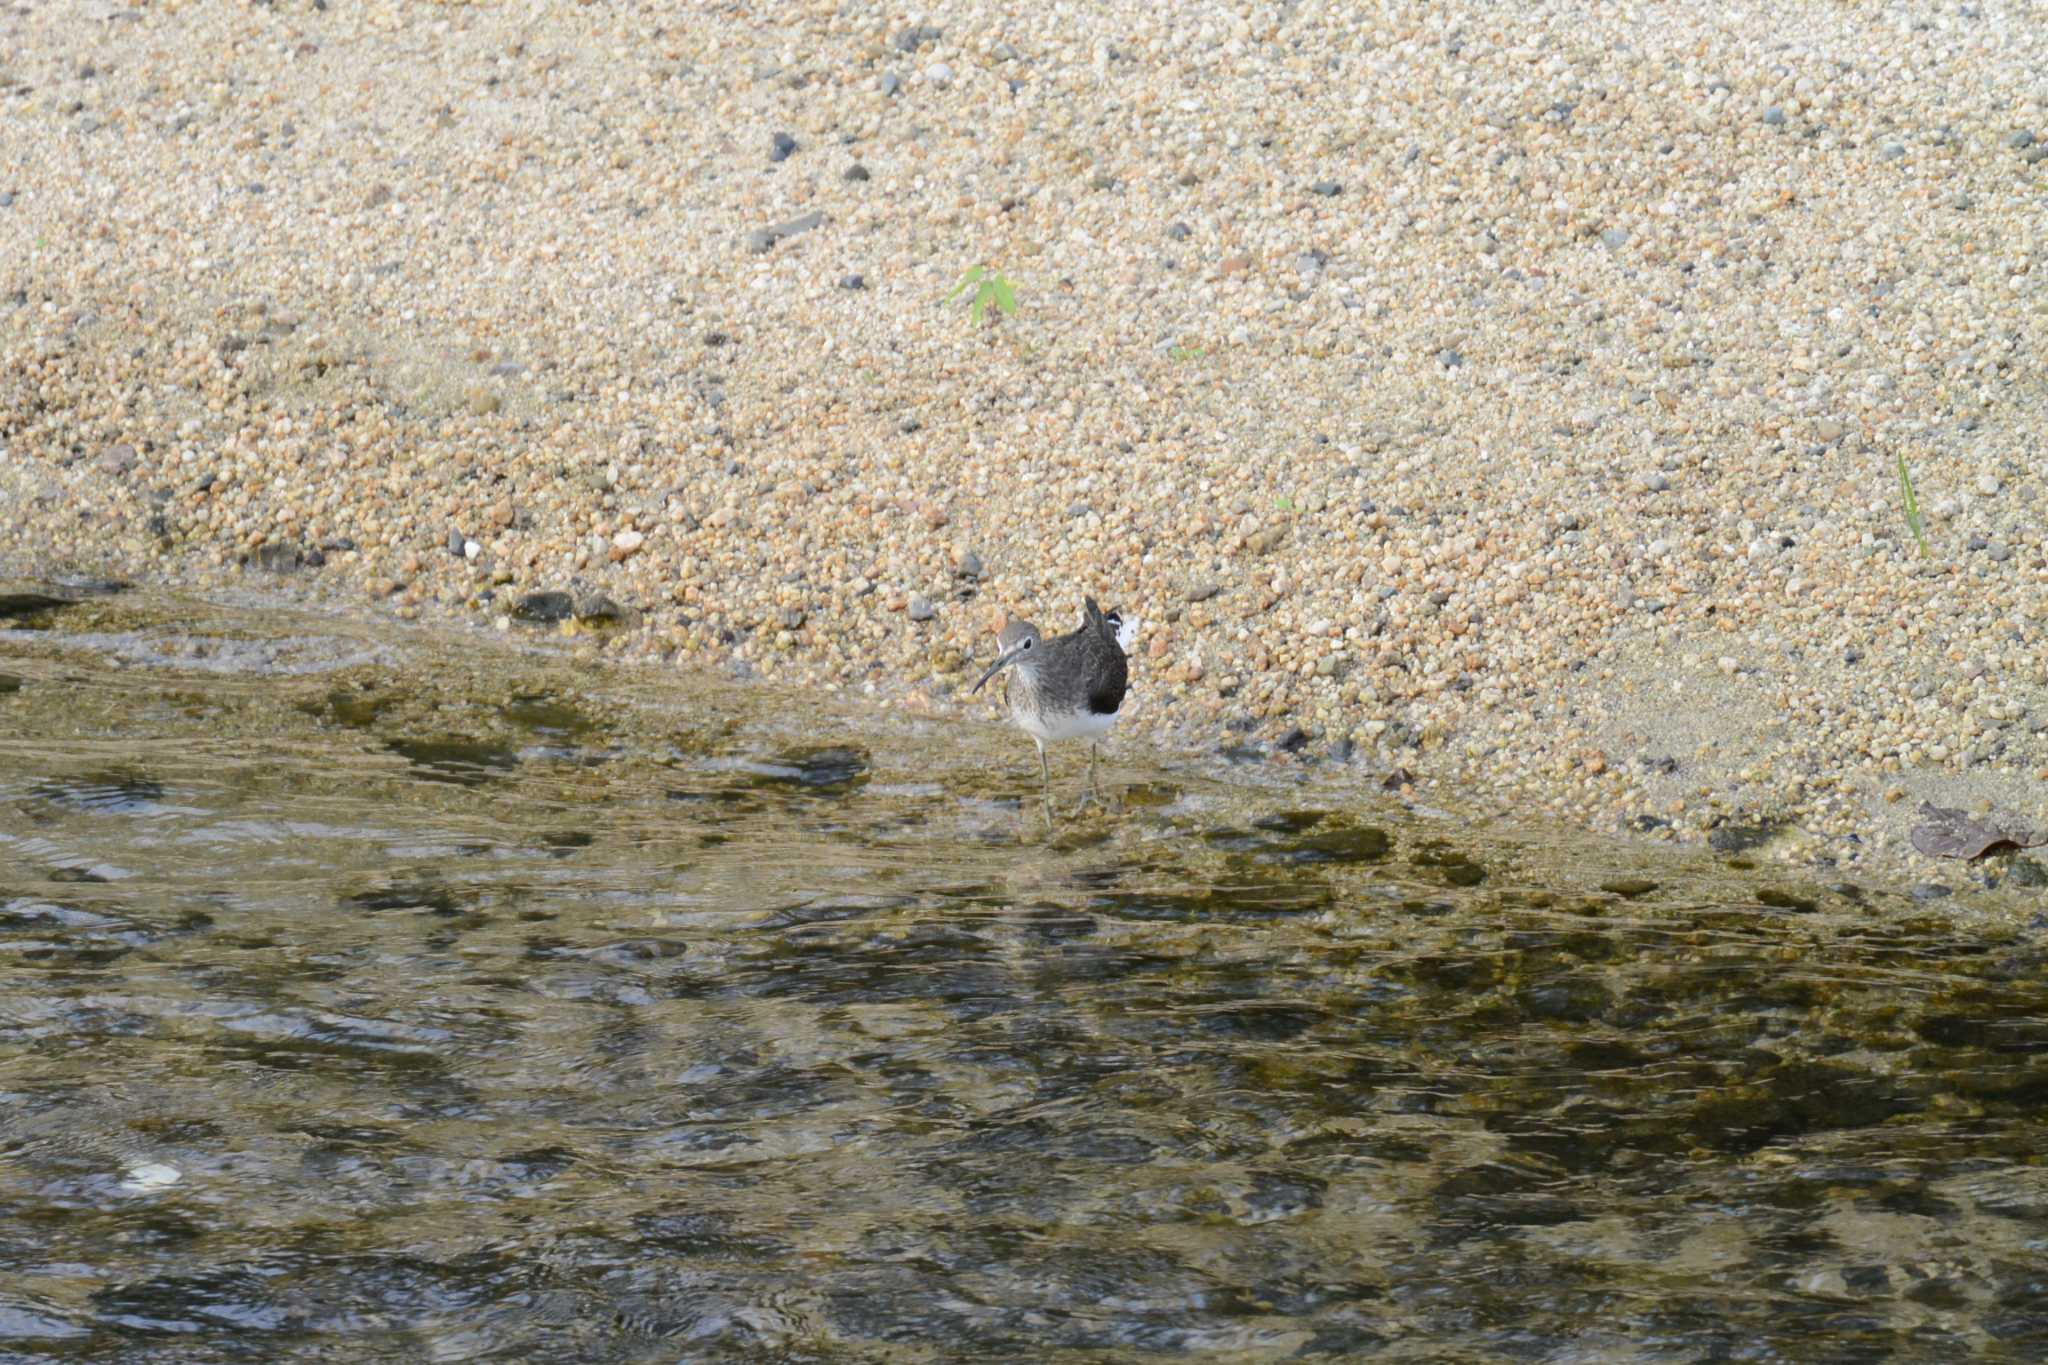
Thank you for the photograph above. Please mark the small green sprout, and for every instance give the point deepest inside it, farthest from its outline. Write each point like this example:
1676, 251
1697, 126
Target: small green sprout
1912, 504
990, 287
1185, 353
1284, 503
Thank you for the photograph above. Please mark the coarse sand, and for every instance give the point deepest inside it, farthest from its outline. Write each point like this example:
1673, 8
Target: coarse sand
1513, 395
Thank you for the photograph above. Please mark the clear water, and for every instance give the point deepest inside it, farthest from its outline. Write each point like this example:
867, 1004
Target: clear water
363, 999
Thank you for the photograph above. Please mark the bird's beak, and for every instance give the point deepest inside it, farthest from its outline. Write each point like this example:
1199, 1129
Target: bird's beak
1003, 661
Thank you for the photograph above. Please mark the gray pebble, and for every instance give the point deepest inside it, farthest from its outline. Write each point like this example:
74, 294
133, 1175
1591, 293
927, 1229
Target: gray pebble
780, 146
791, 618
971, 566
921, 610
1326, 188
2019, 139
1774, 116
891, 83
1449, 358
455, 539
6, 199
1614, 238
856, 173
917, 36
1655, 482
2000, 551
2036, 153
1202, 592
853, 282
1892, 151
939, 74
1180, 232
761, 239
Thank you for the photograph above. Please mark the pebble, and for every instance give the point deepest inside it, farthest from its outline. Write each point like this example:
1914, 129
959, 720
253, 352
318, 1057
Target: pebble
855, 281
762, 239
780, 146
1231, 363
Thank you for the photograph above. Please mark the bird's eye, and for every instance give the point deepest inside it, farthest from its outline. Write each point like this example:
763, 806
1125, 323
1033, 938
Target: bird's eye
1027, 644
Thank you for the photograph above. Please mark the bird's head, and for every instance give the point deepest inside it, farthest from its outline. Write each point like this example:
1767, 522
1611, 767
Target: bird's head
1016, 643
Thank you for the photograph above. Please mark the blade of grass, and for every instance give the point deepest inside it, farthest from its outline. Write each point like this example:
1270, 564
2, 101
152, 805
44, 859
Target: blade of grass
1912, 505
1006, 297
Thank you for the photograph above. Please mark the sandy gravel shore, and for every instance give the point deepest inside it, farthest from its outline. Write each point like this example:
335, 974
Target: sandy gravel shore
1514, 395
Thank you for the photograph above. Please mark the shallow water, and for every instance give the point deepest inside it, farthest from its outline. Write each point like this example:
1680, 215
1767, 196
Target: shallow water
371, 1000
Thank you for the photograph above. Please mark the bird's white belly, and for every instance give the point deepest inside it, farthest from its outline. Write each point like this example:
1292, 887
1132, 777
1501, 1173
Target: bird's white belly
1073, 725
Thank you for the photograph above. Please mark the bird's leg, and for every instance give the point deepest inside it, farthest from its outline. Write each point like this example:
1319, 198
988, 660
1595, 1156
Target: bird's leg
1094, 793
1045, 775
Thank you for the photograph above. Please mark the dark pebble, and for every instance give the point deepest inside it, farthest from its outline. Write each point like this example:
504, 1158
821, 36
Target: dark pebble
971, 566
780, 146
921, 610
454, 541
917, 36
856, 173
1774, 116
1180, 232
1294, 741
853, 282
1326, 188
1449, 358
544, 607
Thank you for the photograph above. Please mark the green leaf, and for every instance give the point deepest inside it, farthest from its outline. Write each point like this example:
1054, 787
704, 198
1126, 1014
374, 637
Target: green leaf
974, 309
1006, 297
973, 276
